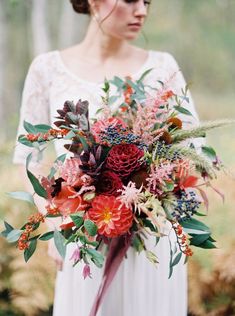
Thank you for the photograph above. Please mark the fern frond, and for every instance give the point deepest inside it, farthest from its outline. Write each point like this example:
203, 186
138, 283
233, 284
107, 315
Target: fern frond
200, 130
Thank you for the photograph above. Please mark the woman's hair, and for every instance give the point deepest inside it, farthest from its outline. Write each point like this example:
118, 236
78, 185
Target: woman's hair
81, 6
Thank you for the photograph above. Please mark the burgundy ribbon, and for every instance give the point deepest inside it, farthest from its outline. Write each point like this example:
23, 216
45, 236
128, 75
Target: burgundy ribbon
117, 250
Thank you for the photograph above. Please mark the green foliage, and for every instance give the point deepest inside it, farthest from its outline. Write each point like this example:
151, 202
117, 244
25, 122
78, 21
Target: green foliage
34, 181
60, 243
20, 195
30, 250
90, 227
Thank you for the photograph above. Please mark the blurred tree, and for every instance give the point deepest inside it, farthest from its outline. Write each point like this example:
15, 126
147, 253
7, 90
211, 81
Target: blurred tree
3, 36
41, 40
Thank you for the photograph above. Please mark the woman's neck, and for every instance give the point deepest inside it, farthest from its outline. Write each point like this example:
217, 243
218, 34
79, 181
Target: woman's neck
100, 46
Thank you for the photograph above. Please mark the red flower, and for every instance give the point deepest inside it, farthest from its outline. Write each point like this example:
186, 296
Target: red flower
124, 159
188, 182
109, 183
168, 94
111, 217
127, 94
66, 203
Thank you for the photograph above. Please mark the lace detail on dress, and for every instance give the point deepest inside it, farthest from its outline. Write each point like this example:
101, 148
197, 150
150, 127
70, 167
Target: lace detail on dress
48, 85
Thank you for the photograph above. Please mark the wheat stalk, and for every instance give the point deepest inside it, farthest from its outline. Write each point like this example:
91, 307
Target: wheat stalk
200, 130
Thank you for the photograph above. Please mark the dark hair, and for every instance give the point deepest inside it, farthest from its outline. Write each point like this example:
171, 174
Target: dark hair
81, 6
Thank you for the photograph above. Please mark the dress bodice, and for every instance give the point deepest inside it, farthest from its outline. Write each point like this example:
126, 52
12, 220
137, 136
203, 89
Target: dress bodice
49, 83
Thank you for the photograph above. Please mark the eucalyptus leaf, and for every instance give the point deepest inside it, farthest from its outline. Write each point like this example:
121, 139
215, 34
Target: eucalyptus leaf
176, 259
192, 223
14, 235
42, 128
96, 257
46, 236
21, 195
60, 243
38, 188
30, 250
182, 110
29, 128
197, 240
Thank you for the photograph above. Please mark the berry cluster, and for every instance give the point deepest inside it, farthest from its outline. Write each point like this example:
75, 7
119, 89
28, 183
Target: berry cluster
186, 206
116, 135
182, 240
52, 133
23, 242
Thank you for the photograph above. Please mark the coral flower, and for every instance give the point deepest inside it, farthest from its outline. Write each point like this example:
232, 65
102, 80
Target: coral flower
110, 215
67, 202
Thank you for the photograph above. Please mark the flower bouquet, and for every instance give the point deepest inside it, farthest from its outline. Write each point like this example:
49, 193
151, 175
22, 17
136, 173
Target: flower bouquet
134, 173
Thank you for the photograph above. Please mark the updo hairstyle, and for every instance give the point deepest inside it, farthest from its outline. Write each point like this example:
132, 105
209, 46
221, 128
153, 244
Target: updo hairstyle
81, 6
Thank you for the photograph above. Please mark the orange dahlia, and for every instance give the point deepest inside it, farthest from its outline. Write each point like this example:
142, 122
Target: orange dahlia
111, 217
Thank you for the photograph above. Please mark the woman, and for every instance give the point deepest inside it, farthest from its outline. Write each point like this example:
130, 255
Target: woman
77, 73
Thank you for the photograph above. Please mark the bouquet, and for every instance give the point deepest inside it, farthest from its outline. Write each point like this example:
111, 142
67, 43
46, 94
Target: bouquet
133, 173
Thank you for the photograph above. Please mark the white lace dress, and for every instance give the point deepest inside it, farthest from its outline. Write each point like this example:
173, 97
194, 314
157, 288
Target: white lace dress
138, 288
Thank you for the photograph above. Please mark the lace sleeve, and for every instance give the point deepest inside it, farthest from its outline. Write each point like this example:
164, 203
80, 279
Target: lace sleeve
179, 84
35, 104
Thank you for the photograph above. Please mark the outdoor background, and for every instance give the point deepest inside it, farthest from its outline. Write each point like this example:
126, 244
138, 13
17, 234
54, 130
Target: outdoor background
201, 36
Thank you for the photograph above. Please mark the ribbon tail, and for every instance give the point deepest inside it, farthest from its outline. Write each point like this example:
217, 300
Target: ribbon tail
117, 251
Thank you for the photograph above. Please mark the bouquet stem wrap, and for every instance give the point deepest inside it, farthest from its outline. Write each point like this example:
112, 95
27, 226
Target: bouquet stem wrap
117, 250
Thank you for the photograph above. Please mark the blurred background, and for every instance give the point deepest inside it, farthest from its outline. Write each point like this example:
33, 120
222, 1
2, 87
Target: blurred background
201, 36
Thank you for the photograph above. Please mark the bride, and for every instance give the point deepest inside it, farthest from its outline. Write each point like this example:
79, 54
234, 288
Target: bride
77, 73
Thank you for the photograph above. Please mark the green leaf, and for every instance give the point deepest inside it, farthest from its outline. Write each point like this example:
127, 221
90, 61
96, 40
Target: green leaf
42, 128
144, 75
29, 128
60, 242
38, 188
207, 245
138, 243
84, 241
21, 195
118, 82
182, 110
197, 240
209, 152
90, 227
8, 226
30, 250
78, 220
23, 140
177, 259
193, 223
83, 141
8, 229
96, 257
14, 235
70, 135
200, 214
71, 239
151, 257
47, 235
169, 186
